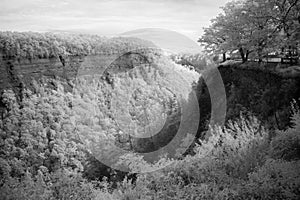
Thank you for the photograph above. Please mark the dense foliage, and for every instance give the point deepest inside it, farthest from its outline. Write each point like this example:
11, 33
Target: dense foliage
47, 136
238, 162
41, 158
43, 154
265, 95
32, 45
254, 28
44, 151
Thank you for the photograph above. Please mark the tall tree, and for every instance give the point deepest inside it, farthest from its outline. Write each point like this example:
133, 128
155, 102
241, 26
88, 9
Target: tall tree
214, 38
254, 26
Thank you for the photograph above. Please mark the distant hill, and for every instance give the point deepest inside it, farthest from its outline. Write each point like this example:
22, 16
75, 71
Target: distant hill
167, 40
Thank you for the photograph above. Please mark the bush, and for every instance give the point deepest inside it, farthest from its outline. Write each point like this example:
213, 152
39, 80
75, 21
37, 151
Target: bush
276, 179
234, 163
286, 145
61, 185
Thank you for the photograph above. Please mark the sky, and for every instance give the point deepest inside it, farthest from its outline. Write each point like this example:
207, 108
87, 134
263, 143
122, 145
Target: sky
108, 17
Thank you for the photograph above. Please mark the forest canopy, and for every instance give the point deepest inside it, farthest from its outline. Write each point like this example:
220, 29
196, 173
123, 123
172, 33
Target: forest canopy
255, 28
32, 45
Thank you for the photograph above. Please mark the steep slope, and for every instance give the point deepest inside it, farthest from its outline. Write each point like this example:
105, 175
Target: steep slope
251, 88
121, 94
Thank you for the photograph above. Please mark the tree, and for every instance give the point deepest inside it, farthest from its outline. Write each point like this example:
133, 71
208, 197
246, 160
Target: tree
214, 38
288, 23
253, 26
229, 32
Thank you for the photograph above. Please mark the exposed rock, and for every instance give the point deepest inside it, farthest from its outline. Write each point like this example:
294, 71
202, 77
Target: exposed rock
14, 72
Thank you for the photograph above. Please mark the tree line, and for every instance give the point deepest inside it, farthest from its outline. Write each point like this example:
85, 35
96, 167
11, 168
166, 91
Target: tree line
33, 45
255, 29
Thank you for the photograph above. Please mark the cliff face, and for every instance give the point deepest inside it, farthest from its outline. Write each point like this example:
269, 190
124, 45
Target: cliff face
266, 93
28, 55
16, 74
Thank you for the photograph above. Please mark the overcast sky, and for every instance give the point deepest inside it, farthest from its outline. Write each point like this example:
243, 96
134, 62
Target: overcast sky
108, 17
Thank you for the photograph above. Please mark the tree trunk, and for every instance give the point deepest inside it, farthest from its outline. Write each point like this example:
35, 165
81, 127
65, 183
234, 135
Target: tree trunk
247, 55
259, 52
282, 55
276, 120
244, 58
224, 57
290, 55
260, 56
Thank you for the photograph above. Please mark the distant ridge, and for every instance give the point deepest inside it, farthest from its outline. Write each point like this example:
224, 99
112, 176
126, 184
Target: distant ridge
167, 40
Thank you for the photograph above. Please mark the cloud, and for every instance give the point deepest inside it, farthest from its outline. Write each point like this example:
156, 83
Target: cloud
108, 17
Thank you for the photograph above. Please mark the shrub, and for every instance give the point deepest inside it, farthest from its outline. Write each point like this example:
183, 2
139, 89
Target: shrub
286, 145
276, 179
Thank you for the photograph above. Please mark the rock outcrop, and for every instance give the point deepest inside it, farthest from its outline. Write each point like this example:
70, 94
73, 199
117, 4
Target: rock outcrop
16, 74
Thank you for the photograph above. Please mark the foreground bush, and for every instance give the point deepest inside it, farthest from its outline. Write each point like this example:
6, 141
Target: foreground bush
237, 162
61, 185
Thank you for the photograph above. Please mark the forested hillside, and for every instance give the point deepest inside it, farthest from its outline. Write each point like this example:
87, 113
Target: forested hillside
42, 157
50, 125
30, 45
90, 117
65, 114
